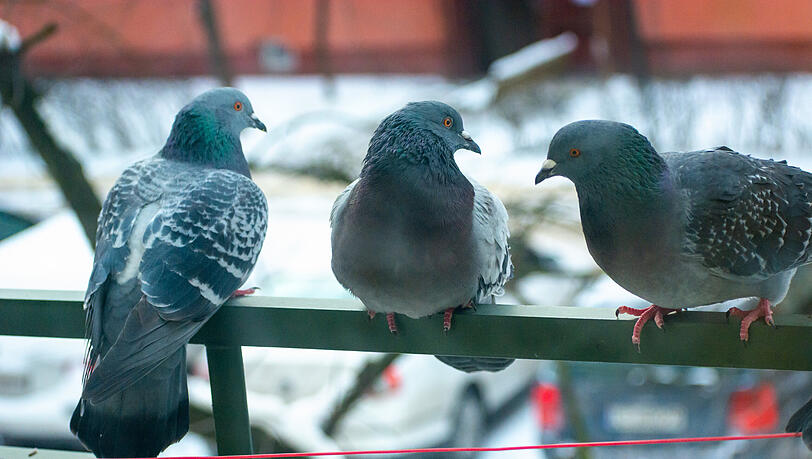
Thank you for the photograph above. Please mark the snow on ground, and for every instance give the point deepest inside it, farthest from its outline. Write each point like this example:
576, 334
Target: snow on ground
532, 56
52, 255
9, 36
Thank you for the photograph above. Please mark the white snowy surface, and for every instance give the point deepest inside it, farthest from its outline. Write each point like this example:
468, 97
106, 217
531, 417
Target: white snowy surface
533, 56
9, 36
52, 255
519, 428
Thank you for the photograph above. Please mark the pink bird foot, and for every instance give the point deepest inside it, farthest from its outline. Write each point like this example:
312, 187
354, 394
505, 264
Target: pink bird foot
244, 292
644, 315
748, 317
371, 314
447, 319
390, 320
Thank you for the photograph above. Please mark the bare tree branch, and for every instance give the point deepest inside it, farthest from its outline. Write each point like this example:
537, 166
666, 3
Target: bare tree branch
18, 93
372, 370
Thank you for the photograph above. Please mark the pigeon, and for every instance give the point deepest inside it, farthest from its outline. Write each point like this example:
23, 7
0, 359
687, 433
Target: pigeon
685, 229
412, 235
801, 421
177, 235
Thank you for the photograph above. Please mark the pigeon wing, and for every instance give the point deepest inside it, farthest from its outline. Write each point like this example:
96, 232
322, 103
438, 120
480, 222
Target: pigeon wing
200, 246
490, 232
341, 203
138, 186
747, 219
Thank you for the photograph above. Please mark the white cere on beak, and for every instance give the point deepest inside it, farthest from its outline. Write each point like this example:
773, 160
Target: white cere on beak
254, 117
465, 135
548, 164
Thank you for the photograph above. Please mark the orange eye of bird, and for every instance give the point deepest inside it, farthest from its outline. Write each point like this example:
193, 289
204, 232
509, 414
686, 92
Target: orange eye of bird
238, 106
447, 122
575, 152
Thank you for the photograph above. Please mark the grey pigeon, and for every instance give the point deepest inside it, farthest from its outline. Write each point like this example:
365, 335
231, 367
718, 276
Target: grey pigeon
801, 421
685, 229
178, 234
413, 235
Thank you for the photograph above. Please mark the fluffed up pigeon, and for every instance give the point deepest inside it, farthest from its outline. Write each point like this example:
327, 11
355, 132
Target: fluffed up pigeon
801, 421
412, 235
178, 234
685, 229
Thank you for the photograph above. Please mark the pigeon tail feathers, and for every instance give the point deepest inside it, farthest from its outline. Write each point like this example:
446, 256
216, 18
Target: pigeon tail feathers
146, 341
139, 421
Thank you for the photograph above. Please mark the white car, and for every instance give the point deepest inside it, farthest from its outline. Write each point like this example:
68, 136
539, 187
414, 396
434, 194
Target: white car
40, 383
417, 402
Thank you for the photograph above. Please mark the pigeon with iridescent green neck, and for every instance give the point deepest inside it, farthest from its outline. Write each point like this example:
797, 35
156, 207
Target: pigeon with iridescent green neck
685, 229
178, 234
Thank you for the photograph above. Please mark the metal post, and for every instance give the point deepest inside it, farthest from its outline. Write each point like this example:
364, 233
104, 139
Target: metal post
229, 403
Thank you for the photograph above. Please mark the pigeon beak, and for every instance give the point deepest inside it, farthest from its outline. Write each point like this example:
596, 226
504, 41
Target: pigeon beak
546, 170
469, 143
257, 123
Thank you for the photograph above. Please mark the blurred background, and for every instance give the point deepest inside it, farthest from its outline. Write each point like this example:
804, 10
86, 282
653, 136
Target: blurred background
90, 86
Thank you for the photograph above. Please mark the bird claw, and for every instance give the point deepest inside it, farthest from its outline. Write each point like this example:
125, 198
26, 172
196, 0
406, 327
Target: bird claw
371, 314
748, 317
447, 319
645, 314
390, 321
245, 292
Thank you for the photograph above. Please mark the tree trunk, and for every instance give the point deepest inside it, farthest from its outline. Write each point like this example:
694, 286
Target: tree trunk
217, 57
18, 93
322, 46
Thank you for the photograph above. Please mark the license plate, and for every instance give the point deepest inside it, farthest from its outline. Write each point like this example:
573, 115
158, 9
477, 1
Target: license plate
647, 418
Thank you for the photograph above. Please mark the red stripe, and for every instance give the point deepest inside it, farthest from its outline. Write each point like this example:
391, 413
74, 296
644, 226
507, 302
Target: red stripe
658, 441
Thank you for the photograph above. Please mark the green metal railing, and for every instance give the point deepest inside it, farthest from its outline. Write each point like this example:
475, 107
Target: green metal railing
527, 332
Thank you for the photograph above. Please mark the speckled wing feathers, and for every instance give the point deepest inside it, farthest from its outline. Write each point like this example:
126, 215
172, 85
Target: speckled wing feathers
200, 243
747, 218
203, 242
138, 186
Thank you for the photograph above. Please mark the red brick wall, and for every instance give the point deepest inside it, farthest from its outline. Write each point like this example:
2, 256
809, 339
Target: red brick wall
161, 37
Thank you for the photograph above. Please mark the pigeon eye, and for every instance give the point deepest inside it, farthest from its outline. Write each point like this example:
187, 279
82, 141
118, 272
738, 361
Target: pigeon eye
237, 106
575, 152
447, 122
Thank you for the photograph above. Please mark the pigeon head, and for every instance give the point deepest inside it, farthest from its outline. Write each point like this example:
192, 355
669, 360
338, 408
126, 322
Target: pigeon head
426, 132
207, 130
597, 151
441, 120
230, 107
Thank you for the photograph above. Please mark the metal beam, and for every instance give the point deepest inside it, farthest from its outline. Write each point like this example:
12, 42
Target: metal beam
229, 400
532, 332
